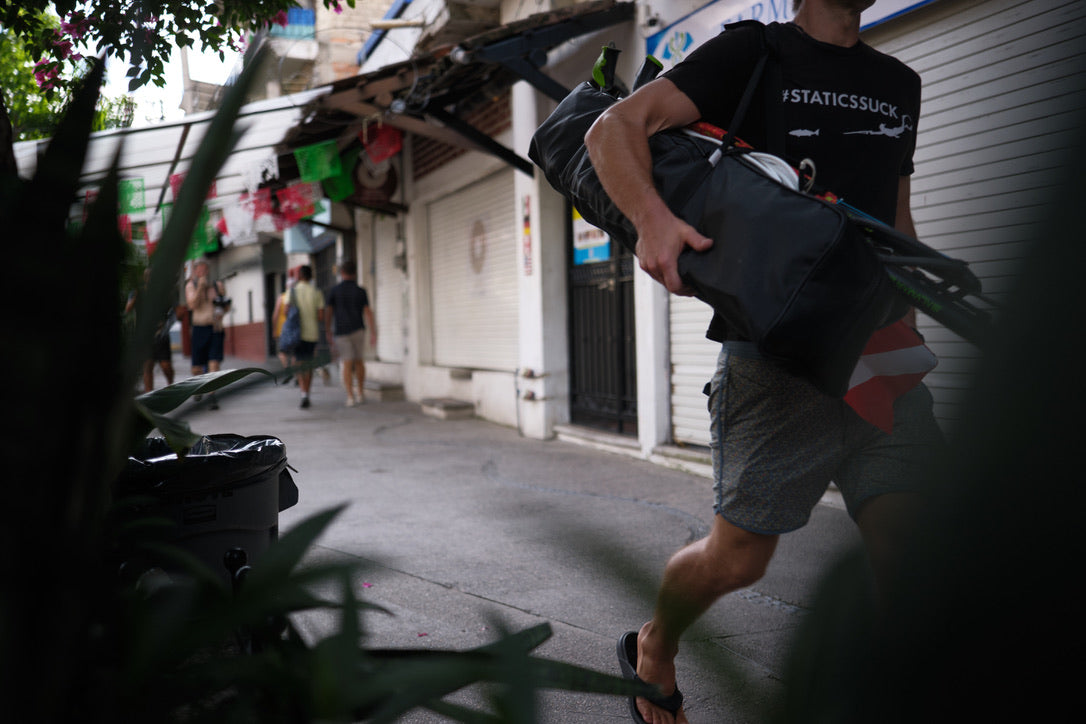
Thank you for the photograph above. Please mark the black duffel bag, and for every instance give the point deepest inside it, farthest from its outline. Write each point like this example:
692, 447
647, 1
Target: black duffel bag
787, 270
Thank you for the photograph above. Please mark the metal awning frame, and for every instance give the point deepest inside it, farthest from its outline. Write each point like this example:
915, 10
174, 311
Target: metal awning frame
428, 95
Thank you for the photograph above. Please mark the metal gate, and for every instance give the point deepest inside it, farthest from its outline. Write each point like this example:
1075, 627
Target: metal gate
603, 369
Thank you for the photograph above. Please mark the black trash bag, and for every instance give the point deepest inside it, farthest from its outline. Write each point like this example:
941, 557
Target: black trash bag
225, 493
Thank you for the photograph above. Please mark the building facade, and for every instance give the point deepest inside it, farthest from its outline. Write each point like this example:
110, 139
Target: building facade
488, 288
493, 294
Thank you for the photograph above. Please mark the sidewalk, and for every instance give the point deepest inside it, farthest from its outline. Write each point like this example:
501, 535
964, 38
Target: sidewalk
461, 523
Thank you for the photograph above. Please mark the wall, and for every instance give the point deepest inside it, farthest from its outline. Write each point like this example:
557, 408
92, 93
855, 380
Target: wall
242, 270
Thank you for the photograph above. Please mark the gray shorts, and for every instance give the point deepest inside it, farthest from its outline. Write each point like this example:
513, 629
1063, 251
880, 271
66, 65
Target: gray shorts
351, 346
778, 442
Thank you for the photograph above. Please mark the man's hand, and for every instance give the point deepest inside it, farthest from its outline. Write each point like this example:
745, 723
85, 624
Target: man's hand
660, 241
618, 146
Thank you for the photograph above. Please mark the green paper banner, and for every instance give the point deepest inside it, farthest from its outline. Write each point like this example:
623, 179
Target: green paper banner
318, 161
204, 240
132, 196
341, 185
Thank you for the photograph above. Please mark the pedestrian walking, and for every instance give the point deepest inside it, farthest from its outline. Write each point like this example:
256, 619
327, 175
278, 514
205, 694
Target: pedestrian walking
777, 441
310, 305
279, 316
350, 313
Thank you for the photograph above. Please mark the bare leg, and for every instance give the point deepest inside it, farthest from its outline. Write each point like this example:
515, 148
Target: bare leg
347, 381
148, 375
728, 559
305, 380
885, 523
360, 375
167, 370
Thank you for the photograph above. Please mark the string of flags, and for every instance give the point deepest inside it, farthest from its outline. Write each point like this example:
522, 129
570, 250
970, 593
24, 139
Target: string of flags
324, 173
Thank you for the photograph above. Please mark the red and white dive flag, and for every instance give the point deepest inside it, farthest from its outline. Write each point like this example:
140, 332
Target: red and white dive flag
893, 362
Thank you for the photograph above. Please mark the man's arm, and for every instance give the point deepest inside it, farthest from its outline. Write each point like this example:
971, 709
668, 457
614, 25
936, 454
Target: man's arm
191, 294
903, 222
618, 146
371, 323
329, 315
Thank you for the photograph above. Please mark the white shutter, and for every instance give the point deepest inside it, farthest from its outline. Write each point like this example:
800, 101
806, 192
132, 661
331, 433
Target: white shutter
473, 253
388, 292
1001, 91
693, 361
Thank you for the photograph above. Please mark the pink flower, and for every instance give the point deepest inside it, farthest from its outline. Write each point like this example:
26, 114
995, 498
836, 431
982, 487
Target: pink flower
338, 8
76, 26
44, 73
280, 18
64, 47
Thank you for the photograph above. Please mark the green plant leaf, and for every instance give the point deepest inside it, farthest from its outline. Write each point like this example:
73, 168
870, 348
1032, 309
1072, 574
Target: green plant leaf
151, 407
283, 556
462, 713
401, 684
56, 179
200, 572
179, 436
170, 397
521, 642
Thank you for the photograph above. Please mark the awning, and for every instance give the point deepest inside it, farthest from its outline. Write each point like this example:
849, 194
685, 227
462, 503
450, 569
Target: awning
154, 154
428, 95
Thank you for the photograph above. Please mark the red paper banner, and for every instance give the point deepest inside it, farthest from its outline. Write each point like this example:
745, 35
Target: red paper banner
382, 142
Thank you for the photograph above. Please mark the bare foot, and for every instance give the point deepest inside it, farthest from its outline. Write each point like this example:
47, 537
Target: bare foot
656, 665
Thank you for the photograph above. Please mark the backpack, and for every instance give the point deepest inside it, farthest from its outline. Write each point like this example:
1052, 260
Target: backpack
291, 333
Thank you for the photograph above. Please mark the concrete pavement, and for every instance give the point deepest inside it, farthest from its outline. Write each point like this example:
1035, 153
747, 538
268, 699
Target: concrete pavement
461, 523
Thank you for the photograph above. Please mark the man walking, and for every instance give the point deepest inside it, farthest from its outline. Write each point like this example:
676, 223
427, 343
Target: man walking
310, 304
204, 299
351, 312
776, 441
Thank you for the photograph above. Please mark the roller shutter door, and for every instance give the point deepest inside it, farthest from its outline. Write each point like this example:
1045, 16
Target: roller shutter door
388, 292
473, 252
1002, 87
693, 361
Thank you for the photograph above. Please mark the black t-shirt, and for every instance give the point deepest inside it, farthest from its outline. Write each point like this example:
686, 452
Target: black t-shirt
347, 301
853, 111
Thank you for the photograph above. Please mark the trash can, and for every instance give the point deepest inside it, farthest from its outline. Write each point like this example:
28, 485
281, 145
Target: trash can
226, 493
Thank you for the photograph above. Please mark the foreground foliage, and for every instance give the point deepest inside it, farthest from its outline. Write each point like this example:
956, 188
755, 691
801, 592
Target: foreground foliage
87, 631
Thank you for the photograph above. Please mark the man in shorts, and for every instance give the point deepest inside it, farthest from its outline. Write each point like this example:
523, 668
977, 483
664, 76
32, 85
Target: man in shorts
777, 442
351, 312
207, 333
311, 314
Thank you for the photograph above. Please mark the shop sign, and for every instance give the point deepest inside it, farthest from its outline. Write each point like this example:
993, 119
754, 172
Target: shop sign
677, 40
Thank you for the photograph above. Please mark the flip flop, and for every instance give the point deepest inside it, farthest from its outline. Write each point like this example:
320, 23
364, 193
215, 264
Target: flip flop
627, 662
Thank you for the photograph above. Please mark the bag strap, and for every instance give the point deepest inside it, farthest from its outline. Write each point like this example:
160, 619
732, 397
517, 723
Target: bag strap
692, 181
744, 101
774, 113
